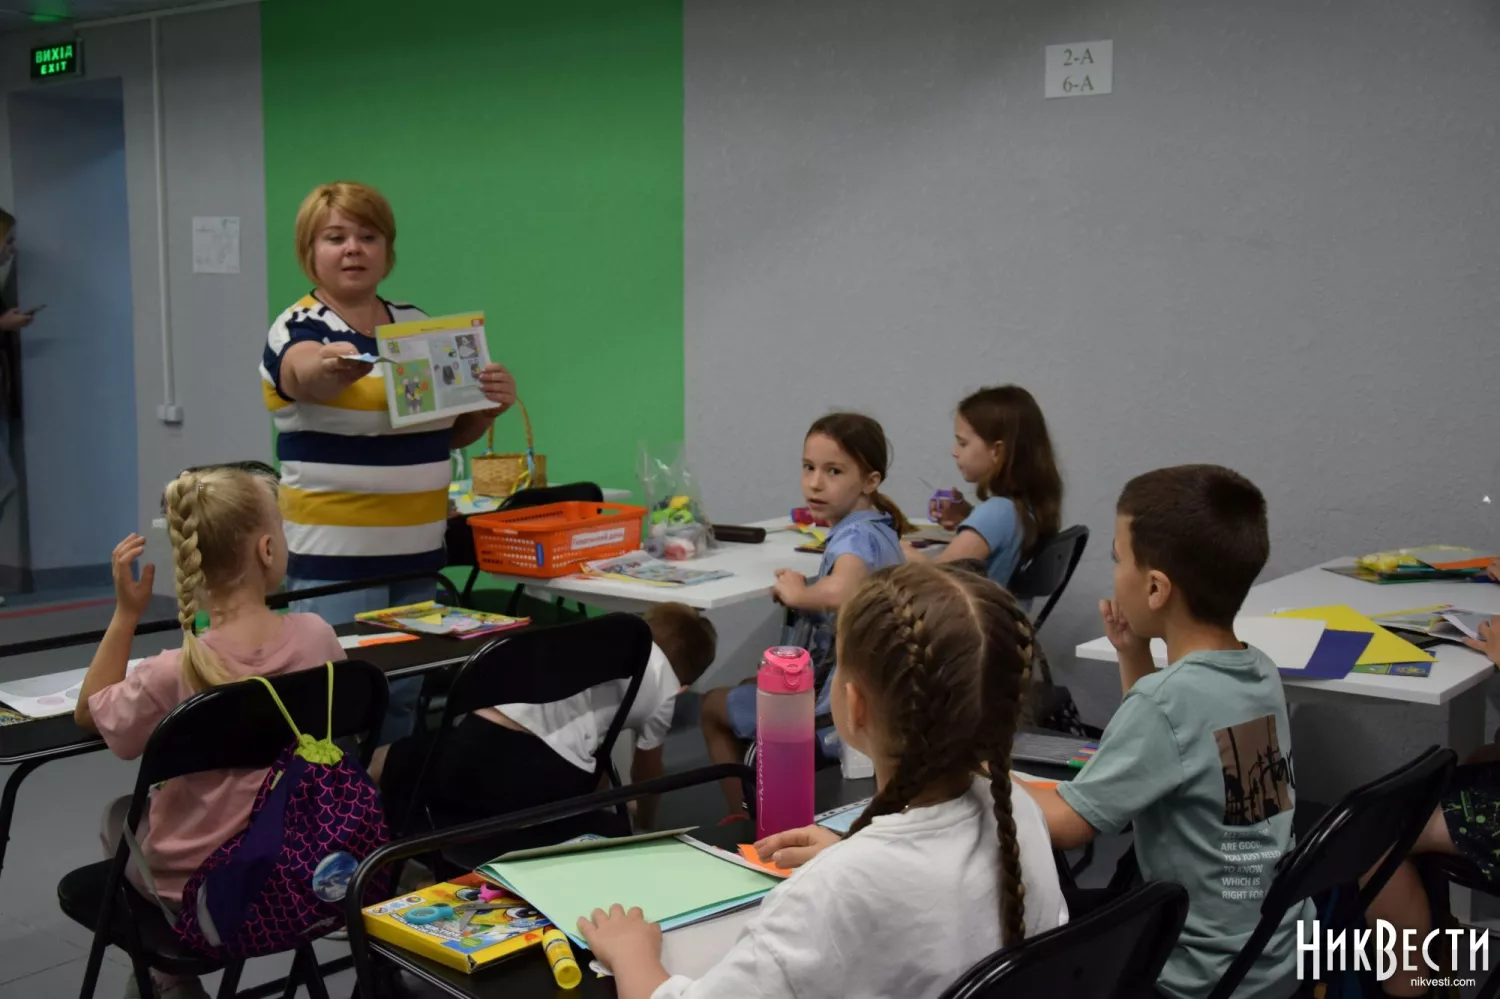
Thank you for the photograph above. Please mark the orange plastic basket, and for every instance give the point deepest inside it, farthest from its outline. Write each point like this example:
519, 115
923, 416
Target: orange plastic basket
553, 540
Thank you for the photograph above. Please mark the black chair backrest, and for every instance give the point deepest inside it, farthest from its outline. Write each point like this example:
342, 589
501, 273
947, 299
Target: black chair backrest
1049, 570
542, 665
1114, 952
238, 726
1382, 818
572, 492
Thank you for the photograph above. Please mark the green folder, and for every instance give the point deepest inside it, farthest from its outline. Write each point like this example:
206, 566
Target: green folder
674, 881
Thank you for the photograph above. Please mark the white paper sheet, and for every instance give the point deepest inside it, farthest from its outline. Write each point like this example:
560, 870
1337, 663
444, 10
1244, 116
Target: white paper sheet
1288, 641
50, 695
216, 244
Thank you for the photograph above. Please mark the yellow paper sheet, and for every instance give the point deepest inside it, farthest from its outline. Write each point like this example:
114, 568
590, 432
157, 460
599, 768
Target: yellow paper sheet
1384, 647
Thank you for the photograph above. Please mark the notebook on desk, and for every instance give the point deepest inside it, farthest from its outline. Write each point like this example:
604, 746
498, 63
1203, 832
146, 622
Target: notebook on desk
674, 879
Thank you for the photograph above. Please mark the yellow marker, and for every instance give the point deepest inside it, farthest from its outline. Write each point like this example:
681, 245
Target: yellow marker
560, 956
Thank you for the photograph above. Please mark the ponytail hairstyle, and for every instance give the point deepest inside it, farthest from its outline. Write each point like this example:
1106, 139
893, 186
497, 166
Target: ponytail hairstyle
943, 655
863, 439
1027, 472
212, 516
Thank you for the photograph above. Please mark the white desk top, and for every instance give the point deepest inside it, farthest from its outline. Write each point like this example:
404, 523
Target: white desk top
754, 568
1457, 668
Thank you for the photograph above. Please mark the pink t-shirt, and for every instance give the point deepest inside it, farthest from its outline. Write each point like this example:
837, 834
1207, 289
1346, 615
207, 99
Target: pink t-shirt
193, 816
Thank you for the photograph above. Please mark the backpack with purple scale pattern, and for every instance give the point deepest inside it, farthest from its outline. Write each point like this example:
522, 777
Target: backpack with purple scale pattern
281, 881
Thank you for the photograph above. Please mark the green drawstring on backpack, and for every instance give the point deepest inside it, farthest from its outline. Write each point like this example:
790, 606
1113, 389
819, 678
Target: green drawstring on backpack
312, 750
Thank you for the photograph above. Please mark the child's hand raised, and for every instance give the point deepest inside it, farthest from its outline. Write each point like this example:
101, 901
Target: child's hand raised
796, 847
131, 595
618, 937
1117, 629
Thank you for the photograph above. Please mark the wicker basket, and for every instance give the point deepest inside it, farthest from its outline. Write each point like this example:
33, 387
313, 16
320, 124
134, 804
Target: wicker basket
506, 474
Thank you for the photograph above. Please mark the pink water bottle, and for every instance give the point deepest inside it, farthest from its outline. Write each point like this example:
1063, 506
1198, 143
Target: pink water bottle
783, 741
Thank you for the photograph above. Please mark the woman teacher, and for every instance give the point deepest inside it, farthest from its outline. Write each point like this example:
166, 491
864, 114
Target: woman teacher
360, 498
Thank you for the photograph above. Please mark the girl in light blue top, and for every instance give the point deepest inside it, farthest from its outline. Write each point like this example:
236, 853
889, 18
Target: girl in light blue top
1002, 447
845, 457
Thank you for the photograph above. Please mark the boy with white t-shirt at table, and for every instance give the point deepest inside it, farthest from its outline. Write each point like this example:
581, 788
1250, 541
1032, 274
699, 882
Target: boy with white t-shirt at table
491, 761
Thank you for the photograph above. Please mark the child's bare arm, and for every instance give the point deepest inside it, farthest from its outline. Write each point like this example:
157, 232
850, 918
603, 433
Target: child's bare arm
828, 593
647, 765
1066, 827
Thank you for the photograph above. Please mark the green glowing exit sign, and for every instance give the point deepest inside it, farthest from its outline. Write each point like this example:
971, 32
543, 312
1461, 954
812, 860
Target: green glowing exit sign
58, 59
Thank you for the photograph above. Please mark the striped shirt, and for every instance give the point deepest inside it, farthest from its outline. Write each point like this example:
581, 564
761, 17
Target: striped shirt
360, 498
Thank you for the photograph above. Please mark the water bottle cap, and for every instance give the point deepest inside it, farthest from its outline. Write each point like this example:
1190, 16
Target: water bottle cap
785, 670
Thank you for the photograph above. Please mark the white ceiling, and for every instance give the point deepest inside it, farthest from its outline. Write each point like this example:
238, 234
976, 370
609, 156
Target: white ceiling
16, 15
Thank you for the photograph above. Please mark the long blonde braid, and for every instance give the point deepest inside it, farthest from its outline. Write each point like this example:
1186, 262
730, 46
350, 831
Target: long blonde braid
210, 517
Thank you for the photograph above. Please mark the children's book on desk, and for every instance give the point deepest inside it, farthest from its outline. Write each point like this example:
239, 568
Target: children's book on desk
433, 618
431, 922
675, 879
639, 567
1440, 621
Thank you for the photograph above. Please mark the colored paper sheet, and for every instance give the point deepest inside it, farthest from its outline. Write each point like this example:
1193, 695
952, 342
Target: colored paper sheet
672, 881
747, 850
1335, 656
1384, 646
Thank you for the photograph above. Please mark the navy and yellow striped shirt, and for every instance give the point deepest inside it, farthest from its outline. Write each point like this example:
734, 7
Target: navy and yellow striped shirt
360, 498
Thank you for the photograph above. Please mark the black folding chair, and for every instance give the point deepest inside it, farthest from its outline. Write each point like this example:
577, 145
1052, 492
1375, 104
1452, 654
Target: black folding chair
486, 830
1381, 819
461, 537
539, 666
232, 727
1114, 952
1048, 572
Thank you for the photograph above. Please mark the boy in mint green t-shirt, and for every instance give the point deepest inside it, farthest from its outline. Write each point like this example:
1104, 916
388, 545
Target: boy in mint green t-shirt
1199, 756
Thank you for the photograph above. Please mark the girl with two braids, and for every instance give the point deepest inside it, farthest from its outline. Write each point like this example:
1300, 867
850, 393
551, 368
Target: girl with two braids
931, 668
229, 554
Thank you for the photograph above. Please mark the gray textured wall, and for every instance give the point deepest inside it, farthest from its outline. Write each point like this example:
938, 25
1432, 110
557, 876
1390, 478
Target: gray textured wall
78, 397
1272, 247
211, 83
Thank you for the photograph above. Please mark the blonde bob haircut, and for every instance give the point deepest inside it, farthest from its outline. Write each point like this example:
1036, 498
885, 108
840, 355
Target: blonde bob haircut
360, 202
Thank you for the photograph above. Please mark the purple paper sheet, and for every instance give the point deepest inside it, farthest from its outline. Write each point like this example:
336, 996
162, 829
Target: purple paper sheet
1335, 656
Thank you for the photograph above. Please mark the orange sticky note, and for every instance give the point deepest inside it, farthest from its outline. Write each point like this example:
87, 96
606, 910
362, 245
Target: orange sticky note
387, 639
747, 850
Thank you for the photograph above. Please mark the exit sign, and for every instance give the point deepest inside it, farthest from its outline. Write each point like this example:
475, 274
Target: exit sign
60, 59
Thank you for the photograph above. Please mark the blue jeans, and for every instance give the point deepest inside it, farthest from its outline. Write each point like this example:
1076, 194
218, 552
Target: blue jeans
401, 709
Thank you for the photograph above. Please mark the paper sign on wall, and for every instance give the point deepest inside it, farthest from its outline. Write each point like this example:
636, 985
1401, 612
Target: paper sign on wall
1081, 69
216, 244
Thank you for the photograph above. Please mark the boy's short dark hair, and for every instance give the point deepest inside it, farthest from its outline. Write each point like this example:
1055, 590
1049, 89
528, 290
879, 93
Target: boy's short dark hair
1204, 526
688, 639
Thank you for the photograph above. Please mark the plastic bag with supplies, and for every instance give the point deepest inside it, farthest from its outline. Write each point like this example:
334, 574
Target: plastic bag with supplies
677, 529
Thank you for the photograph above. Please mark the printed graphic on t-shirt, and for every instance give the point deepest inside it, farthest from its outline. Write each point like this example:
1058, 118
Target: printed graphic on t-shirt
1257, 778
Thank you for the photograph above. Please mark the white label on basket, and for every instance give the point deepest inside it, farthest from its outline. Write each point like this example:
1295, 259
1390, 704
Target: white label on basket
596, 539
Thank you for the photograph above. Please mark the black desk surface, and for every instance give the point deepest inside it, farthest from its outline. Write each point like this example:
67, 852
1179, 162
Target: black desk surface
59, 737
527, 974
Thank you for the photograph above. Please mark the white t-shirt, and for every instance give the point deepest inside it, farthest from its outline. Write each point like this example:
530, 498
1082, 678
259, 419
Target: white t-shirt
902, 908
574, 727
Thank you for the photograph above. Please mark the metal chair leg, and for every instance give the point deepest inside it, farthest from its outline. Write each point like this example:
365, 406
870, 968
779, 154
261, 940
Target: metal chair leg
230, 983
311, 975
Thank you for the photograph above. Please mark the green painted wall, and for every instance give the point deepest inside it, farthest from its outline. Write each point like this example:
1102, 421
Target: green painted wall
533, 155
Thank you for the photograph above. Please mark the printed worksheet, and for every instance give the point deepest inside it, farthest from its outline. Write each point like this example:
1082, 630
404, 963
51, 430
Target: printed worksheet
433, 367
